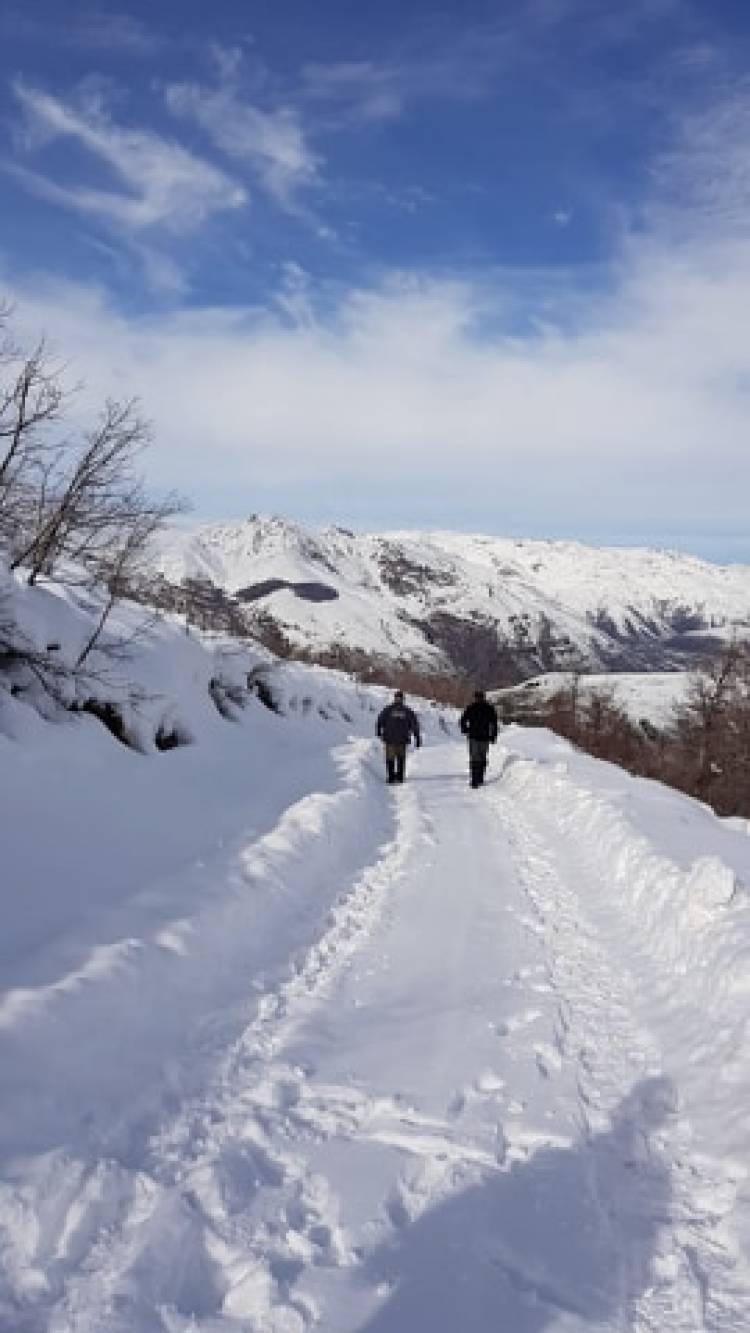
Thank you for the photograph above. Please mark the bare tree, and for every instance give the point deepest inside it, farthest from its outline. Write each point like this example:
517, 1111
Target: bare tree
89, 496
562, 710
32, 397
716, 691
72, 507
124, 568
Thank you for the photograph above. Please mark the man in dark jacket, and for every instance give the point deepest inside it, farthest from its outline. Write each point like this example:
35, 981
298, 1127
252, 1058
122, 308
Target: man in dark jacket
479, 724
397, 724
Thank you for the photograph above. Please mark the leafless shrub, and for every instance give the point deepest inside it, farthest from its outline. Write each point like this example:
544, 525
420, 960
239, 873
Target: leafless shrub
705, 754
27, 671
442, 689
72, 507
272, 637
713, 733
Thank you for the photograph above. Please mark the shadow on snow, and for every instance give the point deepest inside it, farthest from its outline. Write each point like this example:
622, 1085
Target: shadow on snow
564, 1240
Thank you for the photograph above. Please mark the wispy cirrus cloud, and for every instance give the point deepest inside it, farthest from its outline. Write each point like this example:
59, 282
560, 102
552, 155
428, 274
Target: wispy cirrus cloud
362, 90
163, 184
88, 30
468, 62
271, 142
461, 69
702, 181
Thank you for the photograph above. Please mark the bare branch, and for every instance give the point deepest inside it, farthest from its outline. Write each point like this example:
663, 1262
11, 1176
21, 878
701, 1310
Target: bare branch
73, 508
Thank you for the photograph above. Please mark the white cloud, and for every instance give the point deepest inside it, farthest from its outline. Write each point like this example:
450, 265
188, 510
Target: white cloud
366, 90
271, 142
703, 182
639, 417
416, 400
164, 184
450, 61
441, 60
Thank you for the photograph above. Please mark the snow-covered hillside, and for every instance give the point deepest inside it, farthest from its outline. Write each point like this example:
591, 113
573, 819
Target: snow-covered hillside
498, 609
653, 696
286, 1049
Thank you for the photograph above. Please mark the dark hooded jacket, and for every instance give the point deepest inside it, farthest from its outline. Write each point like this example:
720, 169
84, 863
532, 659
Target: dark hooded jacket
479, 721
397, 724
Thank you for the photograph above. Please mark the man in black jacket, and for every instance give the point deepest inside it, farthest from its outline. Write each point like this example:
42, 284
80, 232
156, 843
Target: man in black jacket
479, 724
397, 724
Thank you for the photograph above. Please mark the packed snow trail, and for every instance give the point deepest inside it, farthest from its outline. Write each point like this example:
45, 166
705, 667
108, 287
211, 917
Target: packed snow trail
460, 1106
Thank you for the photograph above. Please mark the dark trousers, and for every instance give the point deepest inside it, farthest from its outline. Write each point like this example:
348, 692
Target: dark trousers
395, 762
478, 751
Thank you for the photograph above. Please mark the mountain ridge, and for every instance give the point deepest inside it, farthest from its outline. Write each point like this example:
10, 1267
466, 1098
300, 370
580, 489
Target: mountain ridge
493, 609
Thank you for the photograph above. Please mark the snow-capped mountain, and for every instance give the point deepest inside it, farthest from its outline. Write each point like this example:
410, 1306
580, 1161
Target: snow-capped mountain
494, 608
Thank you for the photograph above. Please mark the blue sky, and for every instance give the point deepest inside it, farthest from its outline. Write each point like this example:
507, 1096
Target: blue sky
470, 266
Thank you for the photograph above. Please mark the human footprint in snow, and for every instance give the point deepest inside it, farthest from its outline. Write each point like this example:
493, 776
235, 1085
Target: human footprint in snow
563, 1242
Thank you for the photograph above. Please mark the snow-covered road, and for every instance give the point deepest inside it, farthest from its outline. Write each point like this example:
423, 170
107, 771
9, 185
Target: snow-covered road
449, 1061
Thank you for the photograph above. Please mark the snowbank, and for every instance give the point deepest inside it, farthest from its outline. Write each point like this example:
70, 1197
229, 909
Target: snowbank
678, 902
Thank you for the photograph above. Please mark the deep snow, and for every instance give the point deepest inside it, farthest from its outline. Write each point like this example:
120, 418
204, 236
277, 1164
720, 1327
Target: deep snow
285, 1048
593, 603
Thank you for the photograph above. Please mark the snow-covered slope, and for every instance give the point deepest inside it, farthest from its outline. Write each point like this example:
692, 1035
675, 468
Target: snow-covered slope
655, 696
285, 1049
494, 608
86, 818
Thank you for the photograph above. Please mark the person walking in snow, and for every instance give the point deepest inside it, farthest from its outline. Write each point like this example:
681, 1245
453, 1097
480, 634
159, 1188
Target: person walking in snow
397, 725
479, 724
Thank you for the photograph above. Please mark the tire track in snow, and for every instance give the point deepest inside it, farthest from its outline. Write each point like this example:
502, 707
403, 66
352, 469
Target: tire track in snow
695, 1283
217, 1228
